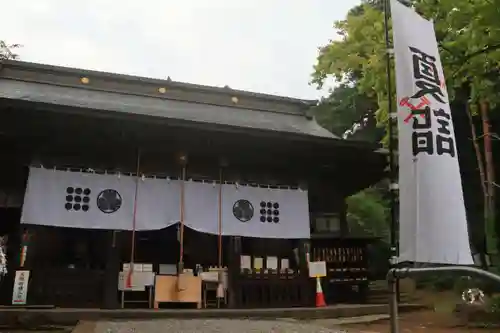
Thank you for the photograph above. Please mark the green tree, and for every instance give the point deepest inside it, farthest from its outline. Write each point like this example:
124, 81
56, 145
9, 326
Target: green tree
345, 110
368, 213
468, 34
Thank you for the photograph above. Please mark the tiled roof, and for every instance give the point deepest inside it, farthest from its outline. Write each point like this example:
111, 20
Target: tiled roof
120, 93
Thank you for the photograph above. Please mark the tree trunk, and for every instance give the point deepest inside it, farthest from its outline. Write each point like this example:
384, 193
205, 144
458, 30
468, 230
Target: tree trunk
490, 170
482, 176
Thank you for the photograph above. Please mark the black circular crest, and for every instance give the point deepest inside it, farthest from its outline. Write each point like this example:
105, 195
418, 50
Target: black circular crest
243, 210
109, 201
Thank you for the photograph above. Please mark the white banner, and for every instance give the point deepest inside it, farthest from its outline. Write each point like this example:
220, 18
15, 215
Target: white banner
20, 290
433, 224
158, 203
95, 201
248, 211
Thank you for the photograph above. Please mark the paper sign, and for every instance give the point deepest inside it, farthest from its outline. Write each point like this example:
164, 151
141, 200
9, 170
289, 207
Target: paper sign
147, 267
317, 269
139, 280
246, 262
258, 263
20, 290
272, 263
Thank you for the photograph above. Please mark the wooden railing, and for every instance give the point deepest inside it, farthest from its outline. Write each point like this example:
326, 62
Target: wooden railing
66, 287
272, 290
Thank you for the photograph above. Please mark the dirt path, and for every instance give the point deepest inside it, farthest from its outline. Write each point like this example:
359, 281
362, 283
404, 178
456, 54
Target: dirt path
419, 322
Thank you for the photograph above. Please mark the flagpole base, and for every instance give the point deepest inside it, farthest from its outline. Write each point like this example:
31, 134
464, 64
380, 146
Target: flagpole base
395, 274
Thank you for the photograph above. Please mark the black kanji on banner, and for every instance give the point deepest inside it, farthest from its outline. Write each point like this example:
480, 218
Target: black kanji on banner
269, 212
426, 76
77, 199
422, 138
444, 140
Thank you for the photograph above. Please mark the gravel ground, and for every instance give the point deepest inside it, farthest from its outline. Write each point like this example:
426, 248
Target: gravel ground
211, 326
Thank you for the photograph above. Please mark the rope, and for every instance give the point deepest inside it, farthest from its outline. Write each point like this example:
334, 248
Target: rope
219, 246
132, 247
181, 227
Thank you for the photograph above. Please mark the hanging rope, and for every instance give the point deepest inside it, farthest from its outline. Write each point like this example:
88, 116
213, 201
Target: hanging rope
181, 226
132, 247
219, 245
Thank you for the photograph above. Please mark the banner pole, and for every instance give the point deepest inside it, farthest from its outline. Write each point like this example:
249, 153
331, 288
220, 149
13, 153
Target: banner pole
181, 225
392, 118
219, 236
393, 186
132, 247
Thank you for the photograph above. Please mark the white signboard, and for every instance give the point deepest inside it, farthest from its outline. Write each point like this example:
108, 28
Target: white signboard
139, 280
433, 223
317, 269
20, 290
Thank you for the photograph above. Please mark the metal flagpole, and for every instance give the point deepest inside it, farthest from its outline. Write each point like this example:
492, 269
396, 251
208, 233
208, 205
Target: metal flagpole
393, 187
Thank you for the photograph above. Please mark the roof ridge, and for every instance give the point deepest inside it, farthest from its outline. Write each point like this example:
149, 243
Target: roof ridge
175, 84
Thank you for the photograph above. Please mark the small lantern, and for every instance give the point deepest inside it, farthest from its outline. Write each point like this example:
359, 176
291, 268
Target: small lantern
162, 90
85, 80
234, 99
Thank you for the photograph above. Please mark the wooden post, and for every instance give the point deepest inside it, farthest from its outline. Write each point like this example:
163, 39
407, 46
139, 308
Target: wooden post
344, 227
110, 283
307, 285
234, 271
13, 252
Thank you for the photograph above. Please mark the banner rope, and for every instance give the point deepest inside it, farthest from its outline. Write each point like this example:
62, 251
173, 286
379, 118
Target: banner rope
219, 245
181, 225
274, 186
134, 218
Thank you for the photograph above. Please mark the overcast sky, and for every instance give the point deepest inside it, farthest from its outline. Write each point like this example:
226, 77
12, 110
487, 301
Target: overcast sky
264, 46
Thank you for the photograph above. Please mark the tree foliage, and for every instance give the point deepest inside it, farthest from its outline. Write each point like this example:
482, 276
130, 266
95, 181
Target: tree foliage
345, 111
468, 34
368, 213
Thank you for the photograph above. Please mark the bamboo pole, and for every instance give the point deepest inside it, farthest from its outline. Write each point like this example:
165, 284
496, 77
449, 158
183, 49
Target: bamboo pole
181, 224
134, 219
219, 240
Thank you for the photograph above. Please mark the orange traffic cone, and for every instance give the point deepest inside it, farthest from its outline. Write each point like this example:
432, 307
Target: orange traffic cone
320, 297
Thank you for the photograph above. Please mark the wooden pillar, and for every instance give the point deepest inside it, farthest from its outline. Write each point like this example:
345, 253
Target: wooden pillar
344, 227
13, 259
234, 271
112, 269
307, 292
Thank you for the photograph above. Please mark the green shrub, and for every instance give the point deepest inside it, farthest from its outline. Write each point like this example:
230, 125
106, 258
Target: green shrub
494, 305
